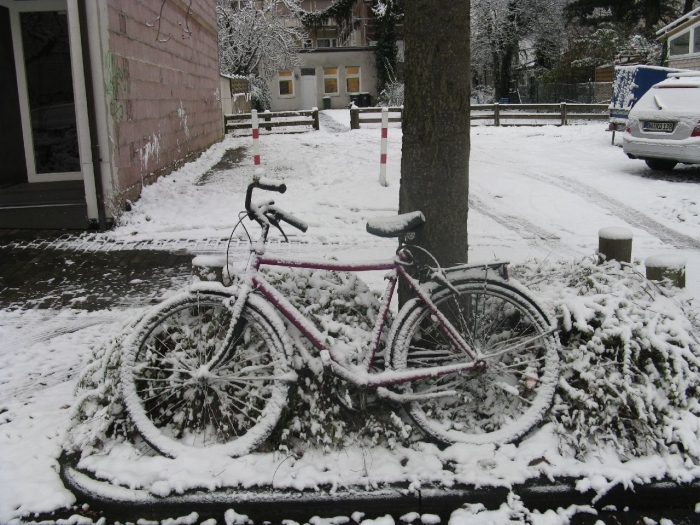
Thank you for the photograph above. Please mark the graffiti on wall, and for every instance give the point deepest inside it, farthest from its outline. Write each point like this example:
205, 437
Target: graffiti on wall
117, 83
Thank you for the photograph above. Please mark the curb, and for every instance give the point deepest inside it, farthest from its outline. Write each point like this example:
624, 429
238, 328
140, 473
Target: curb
274, 506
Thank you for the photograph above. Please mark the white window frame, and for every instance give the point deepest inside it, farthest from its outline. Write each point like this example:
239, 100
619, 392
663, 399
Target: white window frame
358, 76
692, 32
332, 42
689, 33
285, 78
331, 76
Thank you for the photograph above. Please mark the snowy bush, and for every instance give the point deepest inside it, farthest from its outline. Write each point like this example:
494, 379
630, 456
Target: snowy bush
630, 360
392, 95
629, 376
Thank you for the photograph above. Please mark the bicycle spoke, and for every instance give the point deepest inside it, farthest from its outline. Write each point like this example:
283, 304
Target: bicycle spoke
520, 363
245, 390
241, 379
465, 332
519, 345
174, 411
241, 403
507, 391
150, 390
174, 370
163, 401
159, 380
226, 412
233, 352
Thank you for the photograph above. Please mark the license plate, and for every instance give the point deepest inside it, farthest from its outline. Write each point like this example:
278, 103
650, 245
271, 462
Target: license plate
659, 126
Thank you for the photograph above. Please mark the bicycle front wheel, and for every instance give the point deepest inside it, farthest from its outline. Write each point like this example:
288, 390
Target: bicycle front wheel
183, 402
513, 337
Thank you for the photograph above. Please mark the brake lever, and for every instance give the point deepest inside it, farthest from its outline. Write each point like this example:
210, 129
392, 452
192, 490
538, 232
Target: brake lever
276, 223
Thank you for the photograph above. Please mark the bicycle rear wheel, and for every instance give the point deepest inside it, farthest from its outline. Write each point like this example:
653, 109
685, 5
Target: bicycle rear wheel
180, 400
513, 337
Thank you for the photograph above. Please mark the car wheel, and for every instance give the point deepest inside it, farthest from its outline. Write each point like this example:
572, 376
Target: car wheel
660, 164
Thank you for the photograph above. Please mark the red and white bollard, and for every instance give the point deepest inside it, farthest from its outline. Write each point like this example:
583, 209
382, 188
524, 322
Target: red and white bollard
385, 133
256, 137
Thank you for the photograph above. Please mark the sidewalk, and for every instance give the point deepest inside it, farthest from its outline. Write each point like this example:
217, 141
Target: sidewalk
34, 274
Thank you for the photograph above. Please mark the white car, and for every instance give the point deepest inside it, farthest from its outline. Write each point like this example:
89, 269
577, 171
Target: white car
663, 127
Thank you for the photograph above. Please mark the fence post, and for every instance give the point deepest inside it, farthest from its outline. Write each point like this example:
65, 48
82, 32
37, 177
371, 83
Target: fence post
256, 137
317, 124
615, 243
268, 118
496, 115
354, 117
385, 133
666, 266
563, 114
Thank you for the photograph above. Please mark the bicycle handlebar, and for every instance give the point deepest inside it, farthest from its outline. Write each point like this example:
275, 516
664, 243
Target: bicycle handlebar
271, 185
288, 218
259, 212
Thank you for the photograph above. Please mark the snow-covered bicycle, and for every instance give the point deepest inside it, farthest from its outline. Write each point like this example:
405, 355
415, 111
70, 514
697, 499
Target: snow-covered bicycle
472, 356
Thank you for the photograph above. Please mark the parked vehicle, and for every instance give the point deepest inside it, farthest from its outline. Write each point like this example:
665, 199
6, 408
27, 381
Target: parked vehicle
663, 128
629, 85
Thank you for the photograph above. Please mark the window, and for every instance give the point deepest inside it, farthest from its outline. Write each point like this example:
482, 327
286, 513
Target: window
696, 39
330, 80
352, 79
326, 42
286, 84
680, 45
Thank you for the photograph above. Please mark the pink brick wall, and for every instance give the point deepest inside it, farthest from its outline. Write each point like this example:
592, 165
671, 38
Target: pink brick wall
163, 97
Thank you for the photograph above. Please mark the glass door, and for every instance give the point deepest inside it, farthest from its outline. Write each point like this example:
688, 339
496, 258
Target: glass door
49, 93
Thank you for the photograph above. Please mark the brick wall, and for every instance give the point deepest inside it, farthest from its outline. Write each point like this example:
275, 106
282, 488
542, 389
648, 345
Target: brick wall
163, 97
685, 63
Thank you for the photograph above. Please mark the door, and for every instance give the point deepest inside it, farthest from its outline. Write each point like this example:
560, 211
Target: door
309, 96
43, 54
14, 170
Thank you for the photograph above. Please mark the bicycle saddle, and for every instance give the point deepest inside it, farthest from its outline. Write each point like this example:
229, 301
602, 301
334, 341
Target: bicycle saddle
397, 225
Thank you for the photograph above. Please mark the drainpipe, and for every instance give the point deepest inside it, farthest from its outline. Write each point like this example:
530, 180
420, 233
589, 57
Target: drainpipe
92, 117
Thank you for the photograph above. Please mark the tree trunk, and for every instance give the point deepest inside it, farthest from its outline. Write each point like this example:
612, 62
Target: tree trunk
505, 77
435, 159
688, 6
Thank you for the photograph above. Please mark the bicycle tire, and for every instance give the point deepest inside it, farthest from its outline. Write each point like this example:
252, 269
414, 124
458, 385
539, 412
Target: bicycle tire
511, 395
178, 404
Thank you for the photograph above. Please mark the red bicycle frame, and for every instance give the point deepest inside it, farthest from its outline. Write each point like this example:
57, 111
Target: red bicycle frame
357, 374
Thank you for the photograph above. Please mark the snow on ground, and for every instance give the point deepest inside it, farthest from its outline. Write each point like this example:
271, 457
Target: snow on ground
535, 192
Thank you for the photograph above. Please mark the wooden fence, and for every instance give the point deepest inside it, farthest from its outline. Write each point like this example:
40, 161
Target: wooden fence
357, 116
276, 119
563, 113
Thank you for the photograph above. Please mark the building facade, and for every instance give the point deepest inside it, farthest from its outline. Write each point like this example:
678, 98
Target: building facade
99, 98
682, 38
338, 63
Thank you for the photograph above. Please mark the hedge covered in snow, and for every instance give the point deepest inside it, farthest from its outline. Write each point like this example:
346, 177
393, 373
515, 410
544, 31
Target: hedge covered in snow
630, 374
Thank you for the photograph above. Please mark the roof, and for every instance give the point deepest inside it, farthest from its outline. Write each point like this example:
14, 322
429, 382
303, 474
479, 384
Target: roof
680, 23
678, 80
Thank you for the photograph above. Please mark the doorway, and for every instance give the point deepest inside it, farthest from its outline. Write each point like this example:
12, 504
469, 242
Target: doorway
48, 96
309, 97
13, 169
41, 180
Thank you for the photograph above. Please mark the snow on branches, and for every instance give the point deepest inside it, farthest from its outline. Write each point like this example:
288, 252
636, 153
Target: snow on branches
630, 375
258, 40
